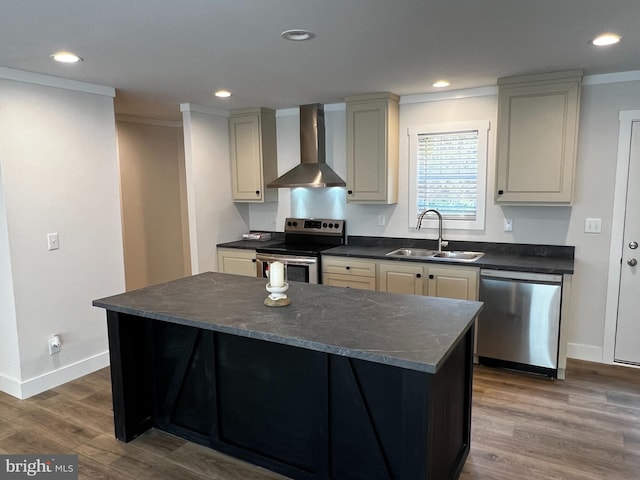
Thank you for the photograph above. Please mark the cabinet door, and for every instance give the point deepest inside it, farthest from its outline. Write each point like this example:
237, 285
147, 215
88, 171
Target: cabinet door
237, 262
252, 134
246, 170
349, 281
537, 139
398, 277
453, 282
372, 148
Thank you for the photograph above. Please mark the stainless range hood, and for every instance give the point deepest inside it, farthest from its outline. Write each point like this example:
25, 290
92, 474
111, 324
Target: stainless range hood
312, 171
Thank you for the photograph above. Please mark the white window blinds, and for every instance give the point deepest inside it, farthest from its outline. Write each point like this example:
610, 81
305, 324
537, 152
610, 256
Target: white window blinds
447, 174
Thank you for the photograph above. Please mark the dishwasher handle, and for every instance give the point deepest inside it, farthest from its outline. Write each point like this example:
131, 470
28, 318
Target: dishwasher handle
522, 276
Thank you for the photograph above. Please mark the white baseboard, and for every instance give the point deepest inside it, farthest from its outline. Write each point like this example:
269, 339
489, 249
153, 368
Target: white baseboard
589, 353
53, 379
10, 385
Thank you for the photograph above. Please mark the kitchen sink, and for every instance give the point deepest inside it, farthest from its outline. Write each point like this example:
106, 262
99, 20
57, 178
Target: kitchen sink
463, 256
434, 254
412, 252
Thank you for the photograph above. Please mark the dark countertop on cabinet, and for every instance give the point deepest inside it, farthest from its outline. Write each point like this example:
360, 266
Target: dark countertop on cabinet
556, 259
498, 261
251, 244
408, 331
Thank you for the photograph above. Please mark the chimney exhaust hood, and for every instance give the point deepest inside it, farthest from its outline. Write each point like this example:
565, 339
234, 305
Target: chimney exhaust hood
312, 170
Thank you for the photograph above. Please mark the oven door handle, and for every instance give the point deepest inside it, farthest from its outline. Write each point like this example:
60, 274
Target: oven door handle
290, 260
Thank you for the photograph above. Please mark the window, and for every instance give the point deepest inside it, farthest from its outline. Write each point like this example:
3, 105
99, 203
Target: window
448, 173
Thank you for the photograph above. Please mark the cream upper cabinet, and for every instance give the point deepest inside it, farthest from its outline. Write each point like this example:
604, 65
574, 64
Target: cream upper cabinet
400, 277
537, 138
252, 133
237, 261
452, 282
372, 148
349, 272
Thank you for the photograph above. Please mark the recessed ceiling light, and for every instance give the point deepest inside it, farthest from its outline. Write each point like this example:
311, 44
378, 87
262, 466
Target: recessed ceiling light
297, 35
606, 39
223, 94
66, 57
441, 84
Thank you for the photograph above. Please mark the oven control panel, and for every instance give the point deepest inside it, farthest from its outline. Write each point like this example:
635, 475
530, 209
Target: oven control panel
317, 226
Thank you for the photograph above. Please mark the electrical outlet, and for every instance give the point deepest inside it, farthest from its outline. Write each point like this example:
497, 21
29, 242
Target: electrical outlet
593, 225
53, 242
54, 345
508, 224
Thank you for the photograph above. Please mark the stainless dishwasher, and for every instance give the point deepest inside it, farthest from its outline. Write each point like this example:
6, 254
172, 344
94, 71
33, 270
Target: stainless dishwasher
519, 327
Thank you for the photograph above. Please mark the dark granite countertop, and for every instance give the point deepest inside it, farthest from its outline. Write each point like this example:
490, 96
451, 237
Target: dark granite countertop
276, 237
498, 261
408, 331
501, 256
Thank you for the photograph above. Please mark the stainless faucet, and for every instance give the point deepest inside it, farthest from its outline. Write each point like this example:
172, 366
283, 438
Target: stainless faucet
419, 225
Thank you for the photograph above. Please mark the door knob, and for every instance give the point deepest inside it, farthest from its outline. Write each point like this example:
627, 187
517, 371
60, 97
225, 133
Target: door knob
633, 245
632, 262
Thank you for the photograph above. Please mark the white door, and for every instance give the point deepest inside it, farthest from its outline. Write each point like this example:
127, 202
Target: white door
627, 346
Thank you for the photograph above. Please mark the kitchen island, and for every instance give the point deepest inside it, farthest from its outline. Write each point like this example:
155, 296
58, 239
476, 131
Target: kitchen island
342, 383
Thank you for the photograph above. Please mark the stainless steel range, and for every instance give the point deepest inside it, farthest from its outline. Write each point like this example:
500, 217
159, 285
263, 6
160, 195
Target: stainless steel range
304, 240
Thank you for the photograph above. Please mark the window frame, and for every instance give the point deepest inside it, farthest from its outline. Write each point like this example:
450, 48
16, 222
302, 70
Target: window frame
482, 127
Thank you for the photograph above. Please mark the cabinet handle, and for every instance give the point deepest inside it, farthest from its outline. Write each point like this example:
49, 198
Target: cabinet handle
348, 268
350, 192
418, 275
432, 276
257, 192
500, 192
253, 260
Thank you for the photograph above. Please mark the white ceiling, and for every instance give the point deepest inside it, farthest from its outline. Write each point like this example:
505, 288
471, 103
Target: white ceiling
160, 53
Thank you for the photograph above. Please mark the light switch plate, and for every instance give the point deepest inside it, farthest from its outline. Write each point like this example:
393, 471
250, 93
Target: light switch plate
593, 225
508, 224
53, 242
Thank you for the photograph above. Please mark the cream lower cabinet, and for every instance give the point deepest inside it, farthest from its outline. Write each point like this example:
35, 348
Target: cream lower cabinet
458, 282
400, 277
237, 261
349, 272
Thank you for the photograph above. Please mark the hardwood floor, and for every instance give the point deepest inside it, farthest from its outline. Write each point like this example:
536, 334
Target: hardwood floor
524, 427
586, 427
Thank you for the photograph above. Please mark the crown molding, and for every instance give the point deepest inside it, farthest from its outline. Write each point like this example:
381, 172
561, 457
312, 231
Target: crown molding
617, 77
449, 95
148, 121
56, 82
191, 107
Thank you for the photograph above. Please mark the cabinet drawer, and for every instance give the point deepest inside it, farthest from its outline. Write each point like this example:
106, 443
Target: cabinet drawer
349, 266
237, 261
350, 281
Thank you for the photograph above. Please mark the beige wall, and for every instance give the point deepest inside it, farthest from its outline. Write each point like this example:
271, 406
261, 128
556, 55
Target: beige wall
59, 174
153, 202
213, 216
